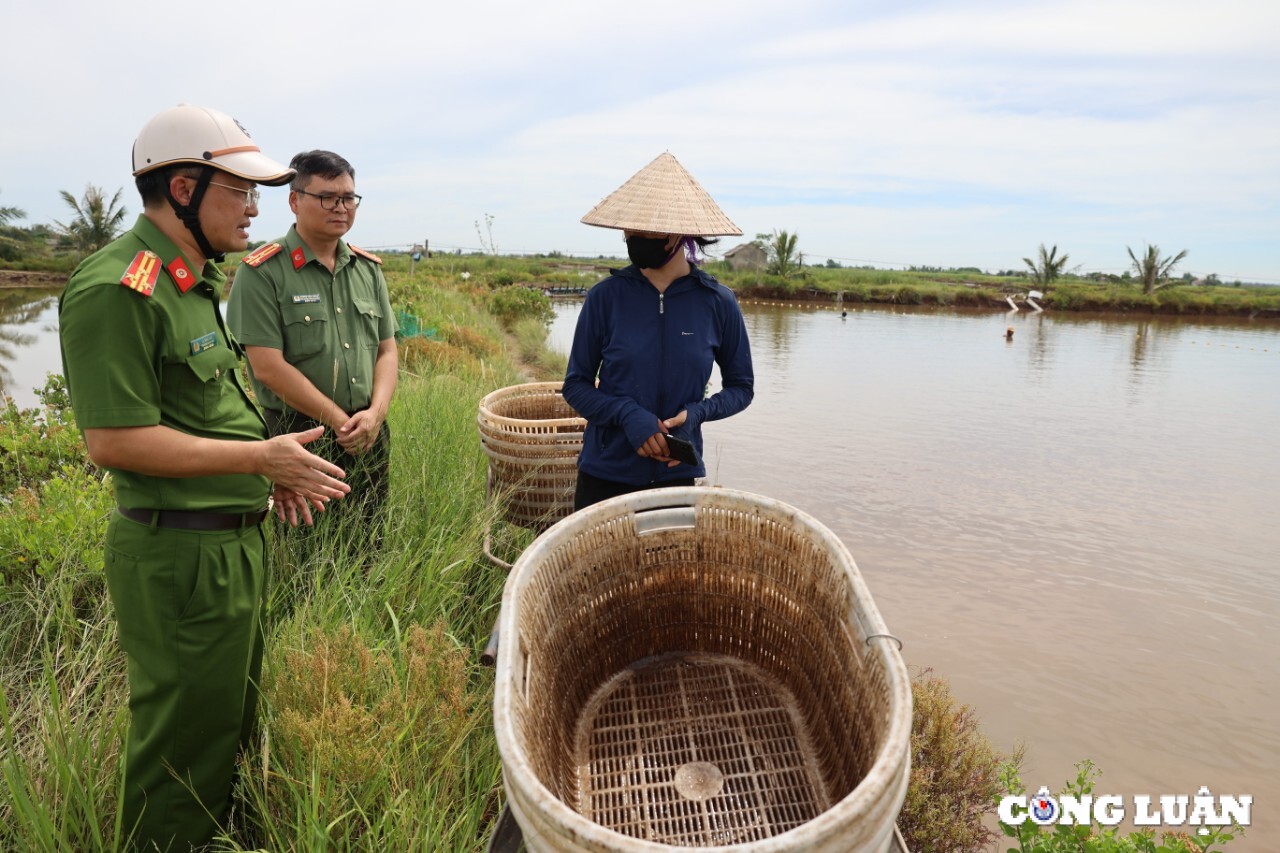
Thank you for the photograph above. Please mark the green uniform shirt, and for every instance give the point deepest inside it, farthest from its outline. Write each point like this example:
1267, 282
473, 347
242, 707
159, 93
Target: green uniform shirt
328, 325
137, 359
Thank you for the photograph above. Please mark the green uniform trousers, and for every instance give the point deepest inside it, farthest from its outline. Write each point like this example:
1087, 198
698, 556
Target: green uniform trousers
189, 608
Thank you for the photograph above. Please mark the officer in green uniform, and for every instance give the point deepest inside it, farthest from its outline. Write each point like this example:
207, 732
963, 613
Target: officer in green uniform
155, 388
314, 316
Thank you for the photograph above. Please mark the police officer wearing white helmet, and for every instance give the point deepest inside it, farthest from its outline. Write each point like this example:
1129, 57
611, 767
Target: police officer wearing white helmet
156, 390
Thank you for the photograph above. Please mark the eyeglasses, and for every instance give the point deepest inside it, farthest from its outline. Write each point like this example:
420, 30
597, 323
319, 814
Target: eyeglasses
330, 202
251, 195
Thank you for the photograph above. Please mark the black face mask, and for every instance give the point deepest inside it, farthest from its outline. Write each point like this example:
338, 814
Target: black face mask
649, 253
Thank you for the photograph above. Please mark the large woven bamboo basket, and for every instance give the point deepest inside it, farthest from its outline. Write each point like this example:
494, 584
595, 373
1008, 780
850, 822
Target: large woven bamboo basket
533, 438
693, 669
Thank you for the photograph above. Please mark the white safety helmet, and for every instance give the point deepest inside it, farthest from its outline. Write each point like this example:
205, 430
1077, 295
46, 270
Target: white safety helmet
204, 137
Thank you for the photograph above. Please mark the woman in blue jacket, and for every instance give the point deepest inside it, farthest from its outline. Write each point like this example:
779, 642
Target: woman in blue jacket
647, 338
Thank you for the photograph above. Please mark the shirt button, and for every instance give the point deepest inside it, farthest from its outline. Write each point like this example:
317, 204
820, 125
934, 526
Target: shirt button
339, 310
346, 346
306, 318
353, 380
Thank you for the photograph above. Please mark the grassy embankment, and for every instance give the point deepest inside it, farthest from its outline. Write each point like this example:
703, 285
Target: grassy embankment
945, 288
972, 290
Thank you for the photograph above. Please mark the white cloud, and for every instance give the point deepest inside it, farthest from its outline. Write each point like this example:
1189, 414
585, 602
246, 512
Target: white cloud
1073, 29
936, 133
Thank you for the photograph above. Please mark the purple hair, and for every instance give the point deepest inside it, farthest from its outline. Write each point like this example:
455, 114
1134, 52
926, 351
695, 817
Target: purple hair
690, 249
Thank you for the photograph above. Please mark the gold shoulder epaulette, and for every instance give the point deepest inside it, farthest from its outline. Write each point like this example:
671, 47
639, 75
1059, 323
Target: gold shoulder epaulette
362, 253
260, 254
143, 273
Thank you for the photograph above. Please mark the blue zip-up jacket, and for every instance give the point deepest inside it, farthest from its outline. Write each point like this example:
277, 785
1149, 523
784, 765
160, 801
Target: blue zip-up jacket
653, 354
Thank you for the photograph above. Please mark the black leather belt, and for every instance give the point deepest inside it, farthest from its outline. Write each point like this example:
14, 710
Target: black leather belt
178, 519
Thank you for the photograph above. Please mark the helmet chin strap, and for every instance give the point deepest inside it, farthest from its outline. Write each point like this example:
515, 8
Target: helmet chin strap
190, 214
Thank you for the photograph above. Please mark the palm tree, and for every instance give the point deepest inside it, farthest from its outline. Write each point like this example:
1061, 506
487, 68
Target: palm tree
9, 246
97, 222
1047, 267
781, 248
8, 213
1154, 271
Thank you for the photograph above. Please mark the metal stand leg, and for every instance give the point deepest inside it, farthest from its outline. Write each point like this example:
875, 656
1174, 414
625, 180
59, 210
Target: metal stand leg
488, 533
507, 836
489, 656
488, 552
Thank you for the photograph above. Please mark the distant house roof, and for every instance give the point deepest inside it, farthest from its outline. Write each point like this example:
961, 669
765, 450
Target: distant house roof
742, 247
746, 256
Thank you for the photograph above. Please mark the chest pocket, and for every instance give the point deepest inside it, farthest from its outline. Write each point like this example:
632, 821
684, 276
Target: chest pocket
304, 330
370, 311
203, 387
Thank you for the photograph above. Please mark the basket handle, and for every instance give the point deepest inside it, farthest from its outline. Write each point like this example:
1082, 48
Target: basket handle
665, 518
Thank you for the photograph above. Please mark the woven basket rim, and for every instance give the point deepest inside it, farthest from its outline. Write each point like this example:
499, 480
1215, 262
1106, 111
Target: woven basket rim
891, 759
545, 390
524, 389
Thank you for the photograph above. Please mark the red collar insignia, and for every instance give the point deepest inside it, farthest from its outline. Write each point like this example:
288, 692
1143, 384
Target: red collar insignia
182, 275
298, 257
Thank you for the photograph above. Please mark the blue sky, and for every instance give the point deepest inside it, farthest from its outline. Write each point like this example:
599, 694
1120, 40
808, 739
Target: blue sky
943, 133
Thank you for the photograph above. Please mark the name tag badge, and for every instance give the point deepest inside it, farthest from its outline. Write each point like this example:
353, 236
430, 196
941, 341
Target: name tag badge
204, 342
303, 298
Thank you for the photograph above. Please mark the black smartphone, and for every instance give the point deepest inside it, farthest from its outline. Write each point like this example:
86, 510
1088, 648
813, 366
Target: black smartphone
682, 449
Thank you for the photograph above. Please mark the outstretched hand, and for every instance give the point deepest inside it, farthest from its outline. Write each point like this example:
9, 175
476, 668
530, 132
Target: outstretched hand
287, 463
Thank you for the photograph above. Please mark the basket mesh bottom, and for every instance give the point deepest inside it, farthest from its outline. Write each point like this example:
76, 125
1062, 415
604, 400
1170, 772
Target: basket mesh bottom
695, 751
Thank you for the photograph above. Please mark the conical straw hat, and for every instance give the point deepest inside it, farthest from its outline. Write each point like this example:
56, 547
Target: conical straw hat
662, 198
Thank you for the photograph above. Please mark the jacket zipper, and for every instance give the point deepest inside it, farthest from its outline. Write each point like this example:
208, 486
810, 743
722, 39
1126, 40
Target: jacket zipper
662, 372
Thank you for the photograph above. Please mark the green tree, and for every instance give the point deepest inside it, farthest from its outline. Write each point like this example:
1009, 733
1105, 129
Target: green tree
97, 222
781, 249
1047, 266
1154, 271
